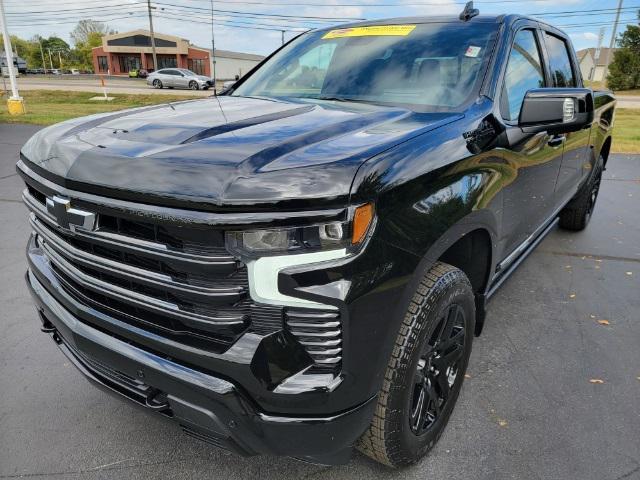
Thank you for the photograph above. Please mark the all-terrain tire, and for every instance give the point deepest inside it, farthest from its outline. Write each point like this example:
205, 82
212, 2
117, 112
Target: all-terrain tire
576, 215
390, 439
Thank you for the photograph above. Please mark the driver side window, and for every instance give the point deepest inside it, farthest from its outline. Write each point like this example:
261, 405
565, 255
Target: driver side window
524, 72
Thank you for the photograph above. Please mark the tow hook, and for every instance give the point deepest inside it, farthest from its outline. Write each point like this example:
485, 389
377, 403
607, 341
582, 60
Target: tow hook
157, 400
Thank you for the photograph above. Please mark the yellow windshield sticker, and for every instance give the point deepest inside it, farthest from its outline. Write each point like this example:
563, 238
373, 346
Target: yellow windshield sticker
376, 30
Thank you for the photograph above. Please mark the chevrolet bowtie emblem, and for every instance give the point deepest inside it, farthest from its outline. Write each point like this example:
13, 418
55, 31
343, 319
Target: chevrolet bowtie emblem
68, 217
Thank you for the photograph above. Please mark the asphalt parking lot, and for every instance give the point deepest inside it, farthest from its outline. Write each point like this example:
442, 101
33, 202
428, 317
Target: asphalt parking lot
528, 410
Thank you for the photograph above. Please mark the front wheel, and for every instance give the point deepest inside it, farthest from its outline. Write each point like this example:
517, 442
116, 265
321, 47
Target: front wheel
193, 85
576, 215
426, 369
157, 84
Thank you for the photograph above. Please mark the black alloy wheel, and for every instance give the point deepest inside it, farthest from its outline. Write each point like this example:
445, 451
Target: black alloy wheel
437, 370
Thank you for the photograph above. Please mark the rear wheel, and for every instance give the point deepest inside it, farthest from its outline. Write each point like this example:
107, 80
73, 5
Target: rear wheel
157, 83
426, 369
193, 85
576, 215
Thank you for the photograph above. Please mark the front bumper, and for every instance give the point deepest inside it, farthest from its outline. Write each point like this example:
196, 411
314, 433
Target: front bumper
207, 407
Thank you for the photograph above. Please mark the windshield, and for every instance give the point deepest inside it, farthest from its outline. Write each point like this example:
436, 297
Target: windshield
188, 73
433, 66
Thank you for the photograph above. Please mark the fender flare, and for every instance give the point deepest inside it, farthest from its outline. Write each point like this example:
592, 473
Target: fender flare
476, 220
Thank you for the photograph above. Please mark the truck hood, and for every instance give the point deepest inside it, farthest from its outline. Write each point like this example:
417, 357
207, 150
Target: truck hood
230, 151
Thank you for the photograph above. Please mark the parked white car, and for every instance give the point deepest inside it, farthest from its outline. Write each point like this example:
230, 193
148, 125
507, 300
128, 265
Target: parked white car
178, 78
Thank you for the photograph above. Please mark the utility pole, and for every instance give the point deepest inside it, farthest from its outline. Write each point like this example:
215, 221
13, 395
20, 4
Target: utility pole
153, 39
213, 51
44, 64
15, 103
50, 58
612, 43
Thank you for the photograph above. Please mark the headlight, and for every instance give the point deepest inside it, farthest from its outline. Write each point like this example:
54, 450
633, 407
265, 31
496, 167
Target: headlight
327, 236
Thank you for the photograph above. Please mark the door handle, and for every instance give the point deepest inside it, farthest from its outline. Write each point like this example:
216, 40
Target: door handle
556, 140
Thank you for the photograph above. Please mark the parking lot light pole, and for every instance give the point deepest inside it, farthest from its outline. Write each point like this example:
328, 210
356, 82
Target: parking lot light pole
15, 103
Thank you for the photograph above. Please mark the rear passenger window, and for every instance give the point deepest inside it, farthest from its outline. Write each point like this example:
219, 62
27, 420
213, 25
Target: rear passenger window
524, 72
559, 61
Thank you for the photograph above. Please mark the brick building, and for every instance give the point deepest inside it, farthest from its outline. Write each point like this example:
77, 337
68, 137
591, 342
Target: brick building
122, 52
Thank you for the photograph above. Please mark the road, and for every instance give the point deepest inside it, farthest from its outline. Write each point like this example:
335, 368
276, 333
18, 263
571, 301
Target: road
91, 83
628, 101
528, 410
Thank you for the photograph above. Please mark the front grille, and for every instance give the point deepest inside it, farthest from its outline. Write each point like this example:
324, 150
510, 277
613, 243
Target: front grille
177, 281
320, 332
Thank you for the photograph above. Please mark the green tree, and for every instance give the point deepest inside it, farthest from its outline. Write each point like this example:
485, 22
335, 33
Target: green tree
26, 49
81, 55
56, 49
624, 71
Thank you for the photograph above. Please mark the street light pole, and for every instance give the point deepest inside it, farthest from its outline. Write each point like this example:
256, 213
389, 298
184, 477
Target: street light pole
15, 103
153, 40
8, 51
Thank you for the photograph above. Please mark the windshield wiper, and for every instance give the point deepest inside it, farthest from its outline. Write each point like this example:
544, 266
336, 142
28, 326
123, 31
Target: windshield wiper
338, 99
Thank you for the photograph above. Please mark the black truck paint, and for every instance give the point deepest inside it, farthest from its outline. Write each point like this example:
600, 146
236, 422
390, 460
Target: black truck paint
132, 206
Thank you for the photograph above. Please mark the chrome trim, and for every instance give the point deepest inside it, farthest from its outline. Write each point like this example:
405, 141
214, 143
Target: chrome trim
325, 343
327, 361
150, 303
313, 325
123, 242
129, 272
330, 333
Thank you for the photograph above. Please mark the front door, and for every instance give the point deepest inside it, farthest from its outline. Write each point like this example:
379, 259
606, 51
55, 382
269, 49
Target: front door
533, 160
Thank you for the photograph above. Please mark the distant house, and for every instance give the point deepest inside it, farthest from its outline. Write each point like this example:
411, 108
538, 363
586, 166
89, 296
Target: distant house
122, 52
593, 62
18, 62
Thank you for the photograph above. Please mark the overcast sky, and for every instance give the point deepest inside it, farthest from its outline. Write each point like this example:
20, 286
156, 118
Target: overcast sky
47, 17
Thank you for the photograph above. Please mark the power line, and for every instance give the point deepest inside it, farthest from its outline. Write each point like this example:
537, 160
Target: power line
247, 14
205, 16
204, 10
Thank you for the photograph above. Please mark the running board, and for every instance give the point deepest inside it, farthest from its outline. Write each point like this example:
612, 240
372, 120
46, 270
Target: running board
525, 253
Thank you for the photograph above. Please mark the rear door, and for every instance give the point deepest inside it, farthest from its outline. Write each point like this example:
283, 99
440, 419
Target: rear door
533, 160
564, 74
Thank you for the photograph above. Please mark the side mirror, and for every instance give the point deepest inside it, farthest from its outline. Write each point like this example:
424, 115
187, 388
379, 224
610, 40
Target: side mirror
556, 110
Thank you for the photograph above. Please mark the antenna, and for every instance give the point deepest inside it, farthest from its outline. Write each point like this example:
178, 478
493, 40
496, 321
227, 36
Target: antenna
469, 12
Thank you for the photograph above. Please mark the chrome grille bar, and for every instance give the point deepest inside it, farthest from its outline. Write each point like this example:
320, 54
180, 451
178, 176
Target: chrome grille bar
132, 273
320, 332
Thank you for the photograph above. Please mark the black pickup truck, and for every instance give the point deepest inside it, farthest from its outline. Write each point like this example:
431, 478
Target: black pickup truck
299, 265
